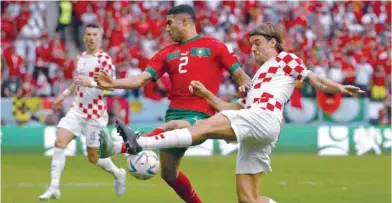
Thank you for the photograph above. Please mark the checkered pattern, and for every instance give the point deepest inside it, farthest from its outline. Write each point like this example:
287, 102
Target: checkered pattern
267, 102
292, 65
274, 83
89, 101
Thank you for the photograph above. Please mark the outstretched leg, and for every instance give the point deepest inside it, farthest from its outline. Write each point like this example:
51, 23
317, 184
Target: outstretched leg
216, 127
108, 148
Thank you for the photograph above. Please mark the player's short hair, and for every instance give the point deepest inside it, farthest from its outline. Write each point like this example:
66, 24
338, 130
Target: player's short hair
269, 31
93, 25
183, 9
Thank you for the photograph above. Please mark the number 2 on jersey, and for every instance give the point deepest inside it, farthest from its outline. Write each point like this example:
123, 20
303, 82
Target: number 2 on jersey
184, 62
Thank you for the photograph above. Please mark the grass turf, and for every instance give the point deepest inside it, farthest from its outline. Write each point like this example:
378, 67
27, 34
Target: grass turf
296, 178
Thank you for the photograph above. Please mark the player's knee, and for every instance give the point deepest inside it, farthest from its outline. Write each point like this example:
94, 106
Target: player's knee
246, 195
246, 198
59, 143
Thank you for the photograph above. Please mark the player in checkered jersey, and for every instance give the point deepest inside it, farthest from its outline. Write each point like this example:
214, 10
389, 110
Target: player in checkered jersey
255, 121
88, 115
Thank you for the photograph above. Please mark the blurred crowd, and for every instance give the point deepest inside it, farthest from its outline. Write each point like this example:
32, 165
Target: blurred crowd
346, 41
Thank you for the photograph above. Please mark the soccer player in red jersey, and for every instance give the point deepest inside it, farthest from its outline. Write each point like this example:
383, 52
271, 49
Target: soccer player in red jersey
255, 121
192, 57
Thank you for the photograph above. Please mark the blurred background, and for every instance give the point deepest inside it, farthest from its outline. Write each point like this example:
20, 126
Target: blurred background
346, 41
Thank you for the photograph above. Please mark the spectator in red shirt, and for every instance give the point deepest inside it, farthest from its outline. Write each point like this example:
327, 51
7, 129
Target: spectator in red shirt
28, 86
118, 108
42, 58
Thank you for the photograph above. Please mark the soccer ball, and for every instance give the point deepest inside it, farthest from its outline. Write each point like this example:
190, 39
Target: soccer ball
143, 165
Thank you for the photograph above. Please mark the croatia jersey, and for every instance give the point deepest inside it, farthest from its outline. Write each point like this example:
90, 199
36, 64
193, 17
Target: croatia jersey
274, 83
200, 58
88, 102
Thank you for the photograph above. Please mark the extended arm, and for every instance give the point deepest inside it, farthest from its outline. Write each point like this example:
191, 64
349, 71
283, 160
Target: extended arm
329, 86
132, 82
198, 88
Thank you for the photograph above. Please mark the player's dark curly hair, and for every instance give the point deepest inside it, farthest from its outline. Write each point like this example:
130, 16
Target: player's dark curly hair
270, 31
183, 9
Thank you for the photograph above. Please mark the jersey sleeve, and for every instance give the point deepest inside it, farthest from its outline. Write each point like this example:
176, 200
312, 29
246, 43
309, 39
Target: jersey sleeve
293, 66
228, 58
107, 65
157, 65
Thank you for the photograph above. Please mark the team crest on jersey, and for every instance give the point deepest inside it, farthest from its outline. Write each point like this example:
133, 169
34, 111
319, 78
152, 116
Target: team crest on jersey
200, 52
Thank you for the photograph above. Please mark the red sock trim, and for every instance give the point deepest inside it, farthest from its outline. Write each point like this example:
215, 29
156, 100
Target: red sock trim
123, 148
184, 189
154, 132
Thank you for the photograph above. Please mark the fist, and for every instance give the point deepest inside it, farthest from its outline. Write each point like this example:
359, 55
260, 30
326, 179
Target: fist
198, 89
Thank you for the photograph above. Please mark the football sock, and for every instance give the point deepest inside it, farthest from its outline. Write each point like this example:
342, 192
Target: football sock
108, 166
184, 189
57, 166
272, 201
119, 147
171, 139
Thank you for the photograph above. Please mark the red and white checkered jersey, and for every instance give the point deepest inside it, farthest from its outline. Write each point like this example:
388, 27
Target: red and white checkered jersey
89, 101
274, 83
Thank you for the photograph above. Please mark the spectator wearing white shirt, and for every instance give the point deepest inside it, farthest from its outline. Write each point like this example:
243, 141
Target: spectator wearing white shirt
89, 16
364, 74
335, 72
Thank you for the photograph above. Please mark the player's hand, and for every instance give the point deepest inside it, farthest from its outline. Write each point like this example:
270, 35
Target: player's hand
198, 89
58, 102
350, 90
242, 91
103, 80
83, 81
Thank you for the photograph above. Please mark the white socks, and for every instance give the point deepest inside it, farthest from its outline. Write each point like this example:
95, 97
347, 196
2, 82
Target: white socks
117, 147
58, 162
171, 139
108, 166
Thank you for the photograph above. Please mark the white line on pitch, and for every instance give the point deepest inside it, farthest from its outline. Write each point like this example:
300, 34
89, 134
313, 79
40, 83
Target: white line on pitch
75, 185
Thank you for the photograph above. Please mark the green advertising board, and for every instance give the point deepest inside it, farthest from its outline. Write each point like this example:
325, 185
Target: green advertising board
322, 140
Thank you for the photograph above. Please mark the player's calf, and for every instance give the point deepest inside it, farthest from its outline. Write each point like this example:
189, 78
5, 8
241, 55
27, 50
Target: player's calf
175, 124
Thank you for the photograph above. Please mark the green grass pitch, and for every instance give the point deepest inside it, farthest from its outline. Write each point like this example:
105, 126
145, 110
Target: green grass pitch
296, 178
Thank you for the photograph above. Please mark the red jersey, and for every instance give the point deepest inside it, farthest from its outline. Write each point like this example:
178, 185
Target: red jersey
200, 58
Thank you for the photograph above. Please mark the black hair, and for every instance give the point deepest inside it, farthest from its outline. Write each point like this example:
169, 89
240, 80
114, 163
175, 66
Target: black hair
183, 9
93, 25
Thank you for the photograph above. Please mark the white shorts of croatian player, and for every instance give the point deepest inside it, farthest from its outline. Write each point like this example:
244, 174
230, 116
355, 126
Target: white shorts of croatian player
77, 125
257, 131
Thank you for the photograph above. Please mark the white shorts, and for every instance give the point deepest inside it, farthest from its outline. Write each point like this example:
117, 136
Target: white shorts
78, 126
257, 132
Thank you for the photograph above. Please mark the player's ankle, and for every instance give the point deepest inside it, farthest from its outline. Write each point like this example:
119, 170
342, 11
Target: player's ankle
55, 187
